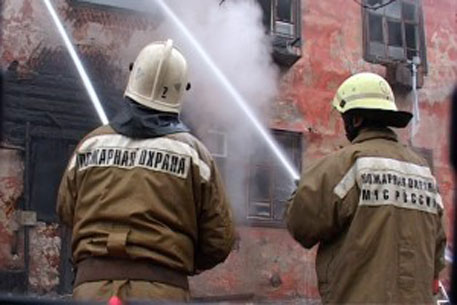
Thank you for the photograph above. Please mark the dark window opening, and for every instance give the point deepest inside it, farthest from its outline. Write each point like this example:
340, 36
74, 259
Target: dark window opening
46, 163
270, 185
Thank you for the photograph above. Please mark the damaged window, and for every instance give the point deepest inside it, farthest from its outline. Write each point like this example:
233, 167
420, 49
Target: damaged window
270, 185
47, 158
281, 19
394, 31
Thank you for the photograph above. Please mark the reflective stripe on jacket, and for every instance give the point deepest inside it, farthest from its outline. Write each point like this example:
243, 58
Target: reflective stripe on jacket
375, 211
160, 199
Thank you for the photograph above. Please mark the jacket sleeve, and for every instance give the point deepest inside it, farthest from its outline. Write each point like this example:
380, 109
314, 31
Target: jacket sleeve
440, 246
315, 212
66, 197
215, 222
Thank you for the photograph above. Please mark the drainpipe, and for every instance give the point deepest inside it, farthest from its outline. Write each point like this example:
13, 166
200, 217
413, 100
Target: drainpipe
416, 110
453, 155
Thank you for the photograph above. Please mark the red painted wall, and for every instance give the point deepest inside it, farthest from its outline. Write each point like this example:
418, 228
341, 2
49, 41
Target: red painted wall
267, 263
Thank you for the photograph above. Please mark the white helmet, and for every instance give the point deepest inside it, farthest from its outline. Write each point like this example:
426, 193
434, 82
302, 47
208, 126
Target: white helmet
159, 77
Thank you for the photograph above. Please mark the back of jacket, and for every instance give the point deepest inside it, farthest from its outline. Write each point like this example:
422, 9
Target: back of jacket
160, 199
376, 212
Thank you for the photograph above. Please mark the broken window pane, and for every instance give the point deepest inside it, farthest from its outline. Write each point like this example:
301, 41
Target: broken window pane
409, 11
284, 10
395, 35
375, 25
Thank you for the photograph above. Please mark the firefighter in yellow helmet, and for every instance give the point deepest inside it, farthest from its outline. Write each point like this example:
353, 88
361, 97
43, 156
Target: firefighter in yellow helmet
373, 207
143, 196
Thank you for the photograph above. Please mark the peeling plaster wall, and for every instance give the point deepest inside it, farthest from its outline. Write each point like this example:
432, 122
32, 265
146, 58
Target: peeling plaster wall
11, 187
266, 262
45, 247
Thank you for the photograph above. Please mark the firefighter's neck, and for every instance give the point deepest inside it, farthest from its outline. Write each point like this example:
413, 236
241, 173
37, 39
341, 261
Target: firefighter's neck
353, 124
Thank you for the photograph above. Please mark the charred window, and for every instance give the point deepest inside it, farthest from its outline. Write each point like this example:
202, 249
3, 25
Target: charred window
270, 185
394, 31
47, 158
281, 19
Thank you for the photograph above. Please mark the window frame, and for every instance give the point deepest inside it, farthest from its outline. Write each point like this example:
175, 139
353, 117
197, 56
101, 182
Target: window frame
295, 20
286, 48
386, 57
273, 220
224, 138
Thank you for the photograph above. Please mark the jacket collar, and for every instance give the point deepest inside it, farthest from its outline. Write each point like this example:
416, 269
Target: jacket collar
137, 121
375, 133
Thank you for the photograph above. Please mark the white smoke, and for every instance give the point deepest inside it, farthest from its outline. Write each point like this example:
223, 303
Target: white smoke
233, 35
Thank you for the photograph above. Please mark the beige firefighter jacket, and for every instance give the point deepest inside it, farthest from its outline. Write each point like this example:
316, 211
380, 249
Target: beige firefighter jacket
160, 199
374, 209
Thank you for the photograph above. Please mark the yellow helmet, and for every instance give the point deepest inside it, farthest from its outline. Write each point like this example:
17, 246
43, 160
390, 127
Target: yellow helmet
159, 77
373, 94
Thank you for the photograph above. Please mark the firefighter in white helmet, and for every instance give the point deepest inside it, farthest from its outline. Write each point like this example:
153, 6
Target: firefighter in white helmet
143, 196
373, 207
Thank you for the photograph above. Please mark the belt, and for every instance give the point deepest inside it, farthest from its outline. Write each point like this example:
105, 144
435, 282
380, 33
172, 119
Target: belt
107, 268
